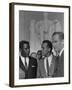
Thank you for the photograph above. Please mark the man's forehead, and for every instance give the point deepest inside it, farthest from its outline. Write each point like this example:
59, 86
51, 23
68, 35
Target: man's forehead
25, 45
55, 37
44, 44
39, 53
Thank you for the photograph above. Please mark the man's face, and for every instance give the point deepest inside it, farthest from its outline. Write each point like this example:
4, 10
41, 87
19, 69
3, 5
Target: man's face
45, 49
25, 51
57, 43
39, 55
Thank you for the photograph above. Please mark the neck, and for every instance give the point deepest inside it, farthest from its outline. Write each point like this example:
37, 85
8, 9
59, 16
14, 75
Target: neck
24, 56
48, 54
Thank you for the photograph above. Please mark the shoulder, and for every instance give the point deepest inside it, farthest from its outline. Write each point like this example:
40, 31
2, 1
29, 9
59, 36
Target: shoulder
62, 53
32, 59
62, 56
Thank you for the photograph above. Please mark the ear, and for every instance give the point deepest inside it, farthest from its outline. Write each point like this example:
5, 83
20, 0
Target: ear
19, 53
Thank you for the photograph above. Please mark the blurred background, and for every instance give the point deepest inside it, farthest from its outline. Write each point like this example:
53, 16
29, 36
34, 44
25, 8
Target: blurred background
36, 26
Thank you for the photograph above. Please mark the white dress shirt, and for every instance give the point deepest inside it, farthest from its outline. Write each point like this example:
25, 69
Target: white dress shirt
49, 61
23, 60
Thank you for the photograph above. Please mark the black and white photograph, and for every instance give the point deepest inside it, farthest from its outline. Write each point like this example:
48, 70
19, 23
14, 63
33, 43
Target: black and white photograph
39, 34
39, 44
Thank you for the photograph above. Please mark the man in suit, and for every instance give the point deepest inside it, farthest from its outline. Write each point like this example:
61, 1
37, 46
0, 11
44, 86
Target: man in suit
47, 63
27, 64
58, 44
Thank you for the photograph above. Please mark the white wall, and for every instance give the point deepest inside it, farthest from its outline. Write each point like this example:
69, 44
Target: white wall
4, 44
26, 17
32, 25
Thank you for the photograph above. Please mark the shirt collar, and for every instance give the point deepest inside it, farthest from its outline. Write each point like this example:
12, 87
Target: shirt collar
23, 60
61, 52
23, 57
50, 57
47, 57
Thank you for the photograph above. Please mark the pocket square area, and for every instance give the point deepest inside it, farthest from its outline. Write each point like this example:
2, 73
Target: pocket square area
33, 66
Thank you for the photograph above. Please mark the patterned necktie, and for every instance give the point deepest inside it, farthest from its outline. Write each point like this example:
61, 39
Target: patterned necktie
47, 64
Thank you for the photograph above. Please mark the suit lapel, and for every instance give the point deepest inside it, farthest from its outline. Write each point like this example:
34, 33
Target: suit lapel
62, 56
51, 68
21, 65
60, 71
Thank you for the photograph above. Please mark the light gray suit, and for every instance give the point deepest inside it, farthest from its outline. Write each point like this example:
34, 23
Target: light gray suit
41, 73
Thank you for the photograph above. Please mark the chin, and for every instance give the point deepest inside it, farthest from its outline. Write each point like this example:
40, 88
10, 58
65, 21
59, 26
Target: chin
55, 49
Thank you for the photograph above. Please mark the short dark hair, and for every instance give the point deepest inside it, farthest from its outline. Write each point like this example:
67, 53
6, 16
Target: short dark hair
39, 51
49, 44
61, 35
21, 43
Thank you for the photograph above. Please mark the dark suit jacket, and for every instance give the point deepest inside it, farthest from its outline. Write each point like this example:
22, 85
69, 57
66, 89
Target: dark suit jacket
41, 73
59, 67
31, 72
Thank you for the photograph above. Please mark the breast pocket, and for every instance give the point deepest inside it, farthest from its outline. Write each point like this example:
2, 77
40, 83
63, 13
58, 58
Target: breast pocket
33, 66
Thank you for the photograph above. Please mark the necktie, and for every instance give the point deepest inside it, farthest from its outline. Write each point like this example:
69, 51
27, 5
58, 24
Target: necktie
25, 63
47, 64
26, 71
